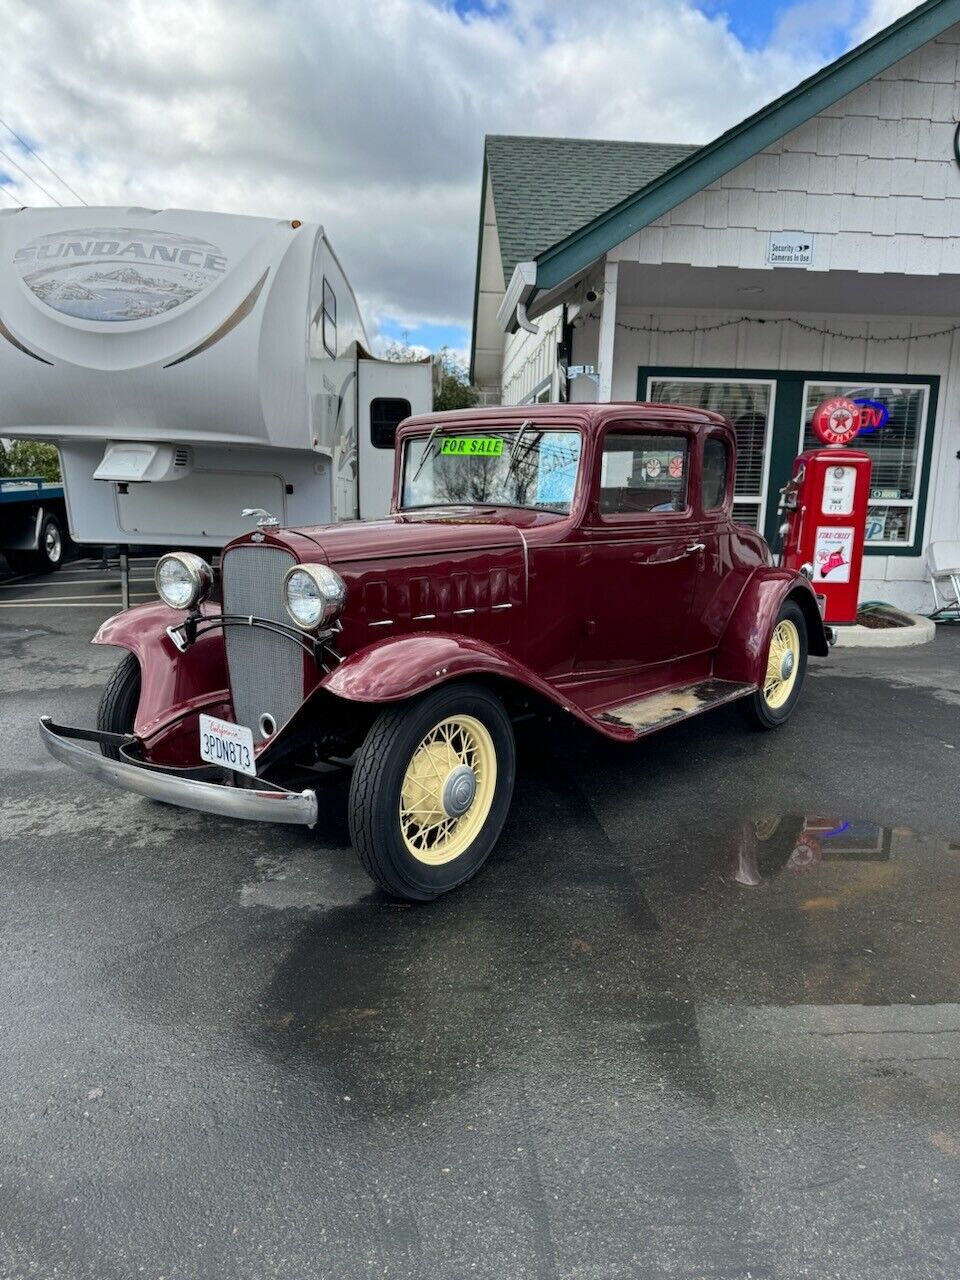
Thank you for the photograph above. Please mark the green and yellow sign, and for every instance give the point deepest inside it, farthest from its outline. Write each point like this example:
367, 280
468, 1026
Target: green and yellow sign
472, 446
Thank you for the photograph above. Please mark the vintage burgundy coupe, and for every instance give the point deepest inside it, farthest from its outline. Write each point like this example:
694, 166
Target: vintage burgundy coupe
569, 558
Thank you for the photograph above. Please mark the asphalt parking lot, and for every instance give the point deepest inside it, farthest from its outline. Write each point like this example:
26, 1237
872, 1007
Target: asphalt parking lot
699, 1017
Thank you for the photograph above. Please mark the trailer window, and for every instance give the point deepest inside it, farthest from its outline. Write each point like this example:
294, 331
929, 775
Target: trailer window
329, 318
386, 414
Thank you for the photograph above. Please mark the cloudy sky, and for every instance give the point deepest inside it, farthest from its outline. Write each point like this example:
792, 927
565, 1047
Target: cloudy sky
369, 115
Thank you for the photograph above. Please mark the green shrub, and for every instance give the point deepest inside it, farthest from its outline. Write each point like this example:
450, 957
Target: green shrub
30, 458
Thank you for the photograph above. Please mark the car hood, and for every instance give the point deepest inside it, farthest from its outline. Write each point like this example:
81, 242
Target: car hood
401, 536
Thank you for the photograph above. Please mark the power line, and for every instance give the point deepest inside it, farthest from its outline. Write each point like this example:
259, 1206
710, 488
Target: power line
10, 160
11, 198
49, 169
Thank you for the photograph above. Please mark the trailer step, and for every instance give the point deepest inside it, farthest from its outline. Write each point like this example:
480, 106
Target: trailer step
669, 706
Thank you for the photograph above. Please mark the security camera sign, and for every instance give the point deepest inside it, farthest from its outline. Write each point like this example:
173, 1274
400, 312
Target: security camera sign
789, 249
117, 273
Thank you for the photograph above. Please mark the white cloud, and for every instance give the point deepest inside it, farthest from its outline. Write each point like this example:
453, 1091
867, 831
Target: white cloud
368, 116
879, 14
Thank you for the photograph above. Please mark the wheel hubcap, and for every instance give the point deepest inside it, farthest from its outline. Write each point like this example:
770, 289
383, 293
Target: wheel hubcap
782, 660
459, 791
51, 542
447, 790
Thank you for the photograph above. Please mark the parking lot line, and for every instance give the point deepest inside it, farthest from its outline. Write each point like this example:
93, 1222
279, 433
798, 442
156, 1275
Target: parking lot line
68, 602
86, 582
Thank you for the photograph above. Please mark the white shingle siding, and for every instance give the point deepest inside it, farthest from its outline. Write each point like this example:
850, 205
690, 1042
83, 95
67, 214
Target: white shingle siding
531, 358
873, 178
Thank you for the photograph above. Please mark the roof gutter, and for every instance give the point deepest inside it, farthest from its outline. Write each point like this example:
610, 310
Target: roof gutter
512, 313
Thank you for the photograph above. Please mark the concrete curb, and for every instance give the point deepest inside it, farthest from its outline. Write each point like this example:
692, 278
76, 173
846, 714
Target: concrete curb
856, 637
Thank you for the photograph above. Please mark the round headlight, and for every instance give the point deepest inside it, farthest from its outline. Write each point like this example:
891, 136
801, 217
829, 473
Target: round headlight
183, 579
313, 595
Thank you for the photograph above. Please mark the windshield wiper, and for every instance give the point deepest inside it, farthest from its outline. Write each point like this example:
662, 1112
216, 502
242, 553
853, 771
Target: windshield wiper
426, 452
515, 448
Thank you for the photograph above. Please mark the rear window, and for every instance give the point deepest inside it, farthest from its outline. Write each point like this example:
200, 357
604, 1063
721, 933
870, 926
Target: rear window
716, 466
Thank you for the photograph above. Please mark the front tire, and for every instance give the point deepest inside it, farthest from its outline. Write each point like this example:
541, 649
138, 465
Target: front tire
431, 790
771, 705
118, 703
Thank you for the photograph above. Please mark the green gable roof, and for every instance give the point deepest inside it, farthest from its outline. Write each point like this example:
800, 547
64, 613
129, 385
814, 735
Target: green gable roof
593, 238
544, 189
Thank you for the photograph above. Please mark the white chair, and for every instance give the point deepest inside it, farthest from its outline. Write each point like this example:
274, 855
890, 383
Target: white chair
943, 561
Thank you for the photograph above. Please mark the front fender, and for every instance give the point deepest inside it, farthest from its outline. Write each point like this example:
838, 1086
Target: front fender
393, 670
172, 684
742, 654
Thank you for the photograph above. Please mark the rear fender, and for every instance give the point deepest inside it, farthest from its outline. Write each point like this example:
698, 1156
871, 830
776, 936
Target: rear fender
394, 670
173, 685
742, 654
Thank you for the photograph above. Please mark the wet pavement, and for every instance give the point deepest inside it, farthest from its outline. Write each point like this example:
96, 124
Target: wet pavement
699, 1017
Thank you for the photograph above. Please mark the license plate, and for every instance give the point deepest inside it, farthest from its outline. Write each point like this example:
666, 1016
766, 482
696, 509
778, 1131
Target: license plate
225, 743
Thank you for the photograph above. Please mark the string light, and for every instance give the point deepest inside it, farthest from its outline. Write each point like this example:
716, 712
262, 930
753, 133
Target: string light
797, 324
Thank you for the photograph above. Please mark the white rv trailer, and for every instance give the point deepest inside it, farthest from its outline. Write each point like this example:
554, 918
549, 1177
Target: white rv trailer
189, 365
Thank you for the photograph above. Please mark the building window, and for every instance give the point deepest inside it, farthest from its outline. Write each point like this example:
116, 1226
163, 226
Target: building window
385, 416
895, 447
642, 473
716, 463
749, 404
329, 318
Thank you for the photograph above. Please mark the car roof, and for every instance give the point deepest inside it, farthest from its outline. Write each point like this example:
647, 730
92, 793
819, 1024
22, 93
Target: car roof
590, 416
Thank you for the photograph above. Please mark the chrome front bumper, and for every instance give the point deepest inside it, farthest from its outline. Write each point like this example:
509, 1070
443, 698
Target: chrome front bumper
174, 786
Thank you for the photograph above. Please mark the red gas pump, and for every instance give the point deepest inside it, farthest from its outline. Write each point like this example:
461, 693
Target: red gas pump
826, 507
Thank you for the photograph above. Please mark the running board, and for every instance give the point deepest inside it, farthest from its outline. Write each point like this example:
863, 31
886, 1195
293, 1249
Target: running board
669, 706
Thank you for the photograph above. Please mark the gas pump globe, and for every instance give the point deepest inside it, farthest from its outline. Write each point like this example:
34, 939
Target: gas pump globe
825, 503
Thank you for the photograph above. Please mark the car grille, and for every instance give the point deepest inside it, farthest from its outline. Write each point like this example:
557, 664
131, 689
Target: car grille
265, 669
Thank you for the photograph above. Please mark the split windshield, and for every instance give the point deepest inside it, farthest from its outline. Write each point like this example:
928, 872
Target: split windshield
526, 467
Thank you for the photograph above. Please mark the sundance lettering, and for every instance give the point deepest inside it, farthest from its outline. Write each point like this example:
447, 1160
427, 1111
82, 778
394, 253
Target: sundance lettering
78, 250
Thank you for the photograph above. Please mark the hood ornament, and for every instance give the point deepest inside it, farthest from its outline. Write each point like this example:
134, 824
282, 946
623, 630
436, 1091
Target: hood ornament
265, 521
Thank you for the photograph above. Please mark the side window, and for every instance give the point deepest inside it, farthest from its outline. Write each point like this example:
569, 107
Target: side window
641, 473
385, 416
329, 318
716, 466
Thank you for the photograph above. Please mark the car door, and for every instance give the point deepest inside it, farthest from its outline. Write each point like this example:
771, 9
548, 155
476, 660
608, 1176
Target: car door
641, 567
717, 585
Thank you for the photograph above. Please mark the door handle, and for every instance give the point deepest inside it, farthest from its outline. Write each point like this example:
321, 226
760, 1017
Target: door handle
696, 546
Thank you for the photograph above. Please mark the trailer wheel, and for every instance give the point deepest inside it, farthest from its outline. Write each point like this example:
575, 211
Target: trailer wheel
49, 554
431, 789
770, 706
119, 701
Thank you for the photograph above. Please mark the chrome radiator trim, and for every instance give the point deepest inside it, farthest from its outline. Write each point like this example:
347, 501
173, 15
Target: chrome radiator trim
265, 670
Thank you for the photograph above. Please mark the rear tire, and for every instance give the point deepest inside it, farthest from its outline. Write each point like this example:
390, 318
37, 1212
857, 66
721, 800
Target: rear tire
772, 704
49, 555
431, 790
118, 703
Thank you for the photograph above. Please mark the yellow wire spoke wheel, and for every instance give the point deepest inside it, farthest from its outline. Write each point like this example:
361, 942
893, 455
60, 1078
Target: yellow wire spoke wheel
447, 790
783, 664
